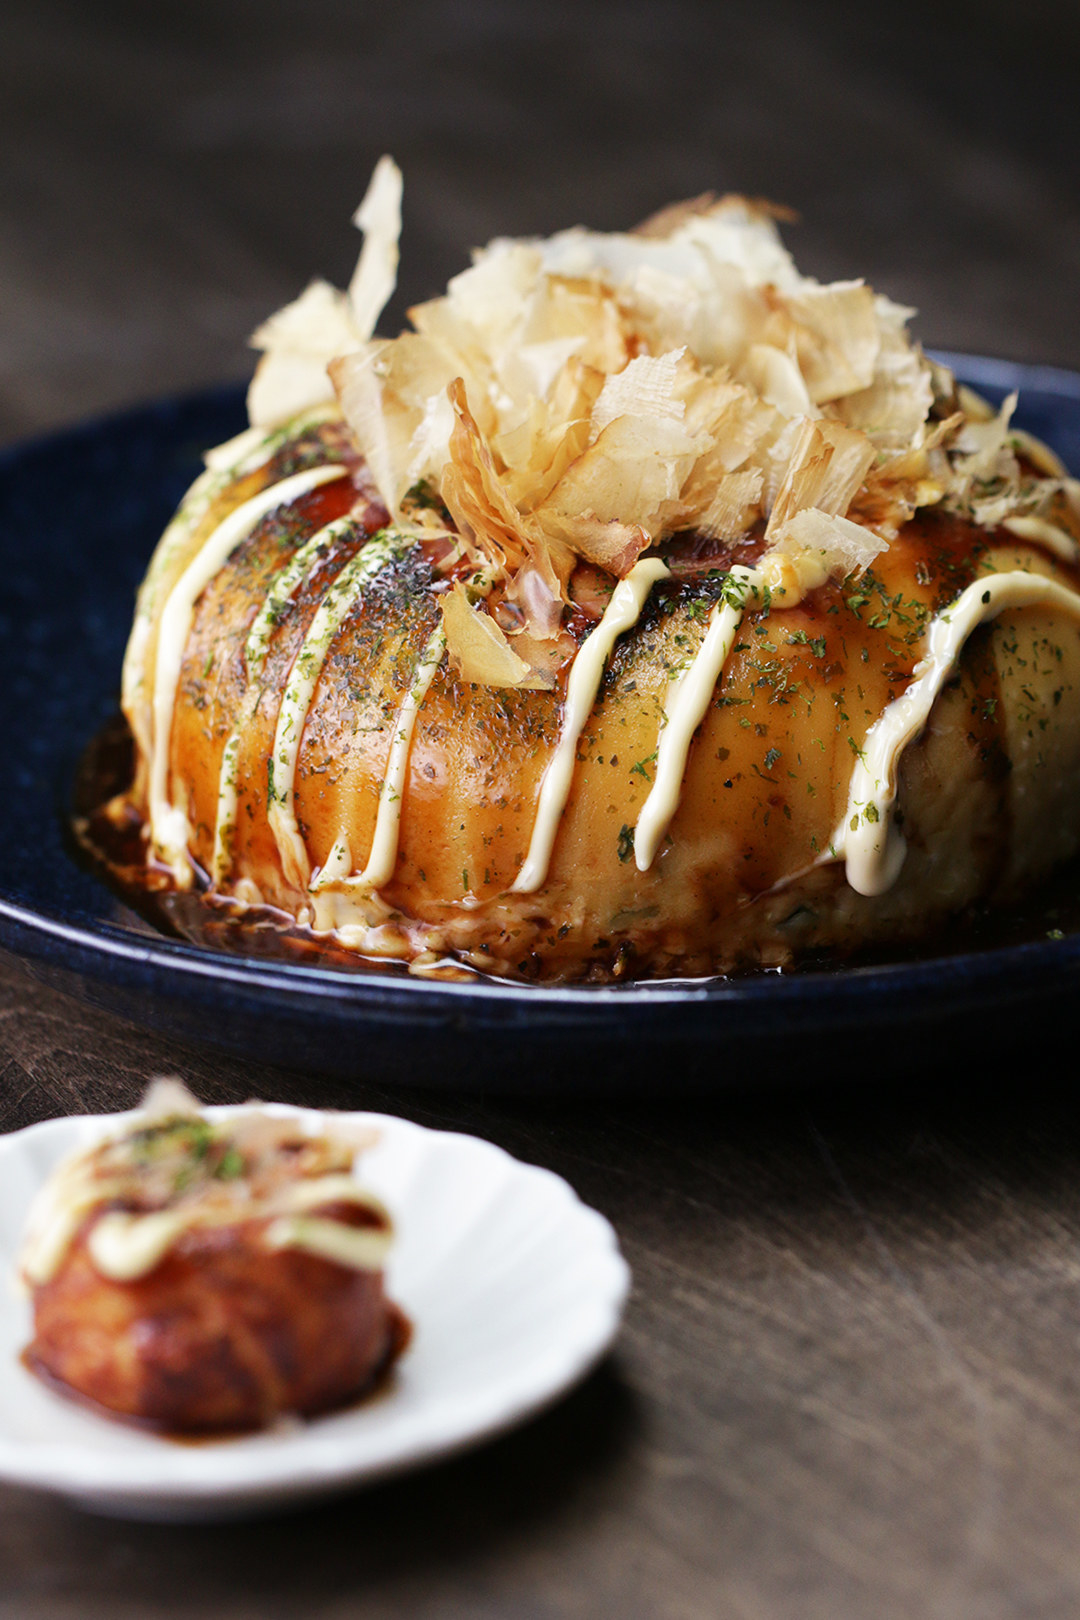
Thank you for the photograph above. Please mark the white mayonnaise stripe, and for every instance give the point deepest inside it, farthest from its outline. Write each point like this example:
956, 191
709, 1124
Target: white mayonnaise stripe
168, 823
282, 586
225, 465
867, 839
361, 1248
586, 673
189, 515
300, 688
1038, 531
685, 702
127, 1246
384, 845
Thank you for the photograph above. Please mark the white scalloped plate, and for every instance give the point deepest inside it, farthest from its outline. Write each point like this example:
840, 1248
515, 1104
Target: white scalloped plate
514, 1288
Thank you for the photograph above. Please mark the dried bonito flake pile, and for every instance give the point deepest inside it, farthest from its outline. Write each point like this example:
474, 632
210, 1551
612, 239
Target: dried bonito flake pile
583, 398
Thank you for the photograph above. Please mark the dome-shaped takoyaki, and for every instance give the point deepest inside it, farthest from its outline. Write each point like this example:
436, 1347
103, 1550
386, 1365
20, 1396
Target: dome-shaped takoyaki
648, 609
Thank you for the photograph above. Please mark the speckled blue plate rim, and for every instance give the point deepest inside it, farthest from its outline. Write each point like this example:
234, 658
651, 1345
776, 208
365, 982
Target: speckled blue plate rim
71, 598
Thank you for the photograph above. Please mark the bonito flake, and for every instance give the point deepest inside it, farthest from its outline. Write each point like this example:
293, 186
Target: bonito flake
586, 397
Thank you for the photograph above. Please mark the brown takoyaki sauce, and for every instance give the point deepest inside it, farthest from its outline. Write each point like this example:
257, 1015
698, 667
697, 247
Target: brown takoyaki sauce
838, 627
648, 610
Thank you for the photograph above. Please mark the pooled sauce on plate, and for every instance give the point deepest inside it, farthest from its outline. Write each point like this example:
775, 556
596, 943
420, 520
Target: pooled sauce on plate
116, 851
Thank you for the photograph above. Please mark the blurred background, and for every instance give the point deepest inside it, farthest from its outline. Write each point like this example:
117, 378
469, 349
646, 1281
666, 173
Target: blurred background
170, 173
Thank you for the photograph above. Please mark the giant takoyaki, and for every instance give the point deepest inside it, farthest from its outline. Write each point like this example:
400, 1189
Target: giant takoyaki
647, 609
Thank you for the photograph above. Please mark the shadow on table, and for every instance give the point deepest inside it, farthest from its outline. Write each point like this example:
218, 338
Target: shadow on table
848, 1366
404, 1532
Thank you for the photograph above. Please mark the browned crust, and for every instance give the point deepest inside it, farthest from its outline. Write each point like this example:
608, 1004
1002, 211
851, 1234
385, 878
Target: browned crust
223, 1334
764, 788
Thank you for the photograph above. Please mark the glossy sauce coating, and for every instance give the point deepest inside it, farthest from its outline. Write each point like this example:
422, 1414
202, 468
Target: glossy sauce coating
765, 786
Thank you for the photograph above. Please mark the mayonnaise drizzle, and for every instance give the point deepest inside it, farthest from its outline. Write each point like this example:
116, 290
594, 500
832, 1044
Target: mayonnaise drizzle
227, 463
53, 1222
339, 600
586, 673
384, 845
125, 1247
194, 507
1041, 532
361, 1248
169, 829
867, 839
685, 702
284, 583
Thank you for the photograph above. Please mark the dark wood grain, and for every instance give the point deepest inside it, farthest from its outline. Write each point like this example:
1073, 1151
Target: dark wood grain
849, 1384
171, 173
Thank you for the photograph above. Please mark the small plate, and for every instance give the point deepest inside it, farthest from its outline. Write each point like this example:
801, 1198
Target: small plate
513, 1286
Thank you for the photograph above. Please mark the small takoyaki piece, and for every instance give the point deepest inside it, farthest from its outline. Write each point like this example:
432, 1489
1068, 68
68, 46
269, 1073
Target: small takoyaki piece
198, 1275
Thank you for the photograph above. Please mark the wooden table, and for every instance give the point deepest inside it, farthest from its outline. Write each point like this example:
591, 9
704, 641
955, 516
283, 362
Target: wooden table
849, 1384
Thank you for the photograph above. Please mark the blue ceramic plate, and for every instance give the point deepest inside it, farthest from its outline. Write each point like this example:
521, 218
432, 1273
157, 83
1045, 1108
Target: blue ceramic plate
79, 515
